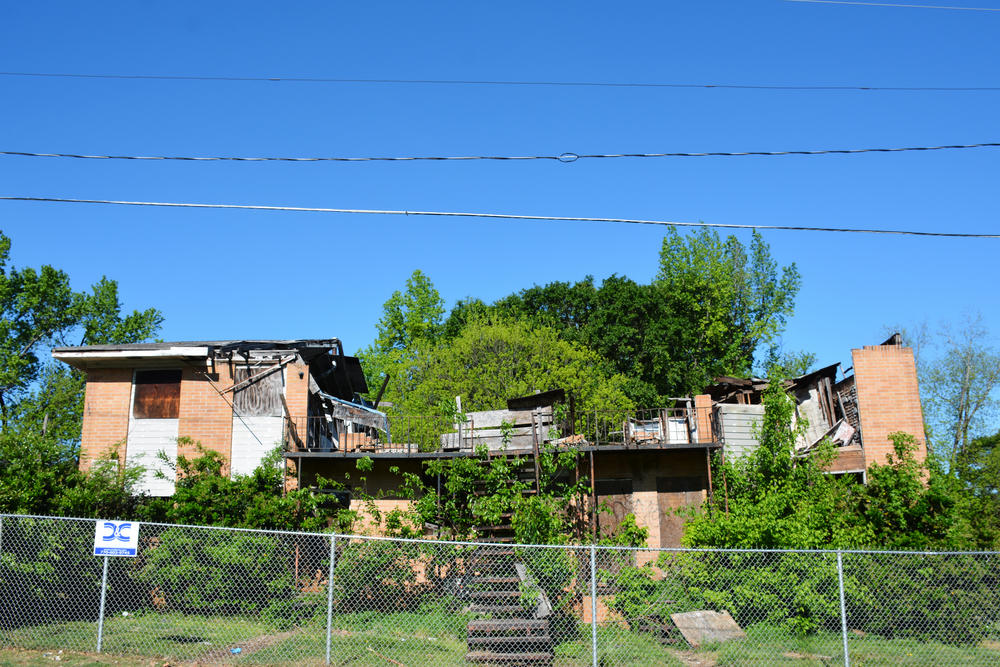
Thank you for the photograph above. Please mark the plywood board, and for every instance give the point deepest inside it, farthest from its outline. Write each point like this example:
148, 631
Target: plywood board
260, 397
673, 493
707, 627
157, 394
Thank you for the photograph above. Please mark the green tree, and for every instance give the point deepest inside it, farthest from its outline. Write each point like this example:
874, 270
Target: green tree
788, 364
413, 315
411, 320
493, 360
41, 403
621, 321
713, 305
978, 471
960, 389
37, 309
729, 298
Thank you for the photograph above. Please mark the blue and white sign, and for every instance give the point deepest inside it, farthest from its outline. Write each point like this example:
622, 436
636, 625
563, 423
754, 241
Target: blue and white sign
116, 538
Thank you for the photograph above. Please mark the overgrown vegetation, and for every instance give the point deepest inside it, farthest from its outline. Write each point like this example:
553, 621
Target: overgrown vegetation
713, 304
776, 499
205, 495
41, 402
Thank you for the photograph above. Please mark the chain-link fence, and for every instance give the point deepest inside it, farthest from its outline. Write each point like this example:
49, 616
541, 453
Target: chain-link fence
209, 595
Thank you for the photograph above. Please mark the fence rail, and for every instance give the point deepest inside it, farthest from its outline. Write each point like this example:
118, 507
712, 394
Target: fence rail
412, 434
212, 595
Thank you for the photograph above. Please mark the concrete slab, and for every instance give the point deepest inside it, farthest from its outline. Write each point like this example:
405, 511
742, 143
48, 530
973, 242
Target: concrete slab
704, 627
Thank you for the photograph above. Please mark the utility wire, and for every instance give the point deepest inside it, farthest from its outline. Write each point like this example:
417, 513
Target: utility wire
500, 216
491, 82
894, 4
563, 157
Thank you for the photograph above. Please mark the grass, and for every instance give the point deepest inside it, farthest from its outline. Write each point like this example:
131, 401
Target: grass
616, 646
366, 638
766, 644
26, 658
171, 635
433, 637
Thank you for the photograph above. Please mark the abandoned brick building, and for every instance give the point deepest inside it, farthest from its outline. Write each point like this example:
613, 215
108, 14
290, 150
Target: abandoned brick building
877, 396
245, 398
233, 397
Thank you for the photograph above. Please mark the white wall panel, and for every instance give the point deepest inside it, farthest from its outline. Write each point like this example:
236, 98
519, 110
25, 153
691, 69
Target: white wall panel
147, 437
249, 450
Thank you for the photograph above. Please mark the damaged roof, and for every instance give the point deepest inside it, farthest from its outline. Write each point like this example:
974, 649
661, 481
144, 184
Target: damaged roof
295, 344
726, 388
334, 372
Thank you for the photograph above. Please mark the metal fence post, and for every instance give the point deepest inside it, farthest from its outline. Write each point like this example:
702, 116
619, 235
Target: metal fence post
100, 618
593, 601
329, 595
843, 607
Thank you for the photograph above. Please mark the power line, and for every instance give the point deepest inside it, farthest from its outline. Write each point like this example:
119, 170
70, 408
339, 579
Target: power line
563, 157
893, 4
500, 216
497, 82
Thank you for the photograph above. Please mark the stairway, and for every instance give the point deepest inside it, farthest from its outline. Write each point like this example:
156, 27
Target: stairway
502, 532
509, 633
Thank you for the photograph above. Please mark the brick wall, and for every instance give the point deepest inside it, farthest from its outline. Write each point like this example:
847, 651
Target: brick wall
105, 413
888, 399
297, 389
644, 469
206, 416
297, 398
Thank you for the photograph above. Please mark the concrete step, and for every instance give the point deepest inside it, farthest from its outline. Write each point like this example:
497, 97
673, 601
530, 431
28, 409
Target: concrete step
495, 595
496, 582
499, 609
510, 643
509, 658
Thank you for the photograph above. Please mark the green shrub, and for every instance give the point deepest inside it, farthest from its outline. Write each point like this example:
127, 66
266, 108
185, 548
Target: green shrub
950, 598
218, 572
947, 598
376, 574
48, 571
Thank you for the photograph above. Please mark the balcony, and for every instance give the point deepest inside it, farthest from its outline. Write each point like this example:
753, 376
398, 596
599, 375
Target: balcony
503, 431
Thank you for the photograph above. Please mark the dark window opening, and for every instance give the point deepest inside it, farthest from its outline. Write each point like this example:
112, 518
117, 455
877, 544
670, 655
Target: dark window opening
157, 395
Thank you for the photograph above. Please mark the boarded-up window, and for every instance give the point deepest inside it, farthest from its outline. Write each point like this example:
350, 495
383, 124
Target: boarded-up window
261, 397
615, 496
676, 493
157, 395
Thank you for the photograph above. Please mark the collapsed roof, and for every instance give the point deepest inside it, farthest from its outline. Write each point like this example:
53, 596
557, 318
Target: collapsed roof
335, 373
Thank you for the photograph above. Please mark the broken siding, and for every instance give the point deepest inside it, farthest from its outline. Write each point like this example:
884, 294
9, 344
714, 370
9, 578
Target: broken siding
526, 428
847, 397
740, 428
811, 407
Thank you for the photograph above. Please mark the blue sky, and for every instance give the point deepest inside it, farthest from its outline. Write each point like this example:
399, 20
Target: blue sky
232, 274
